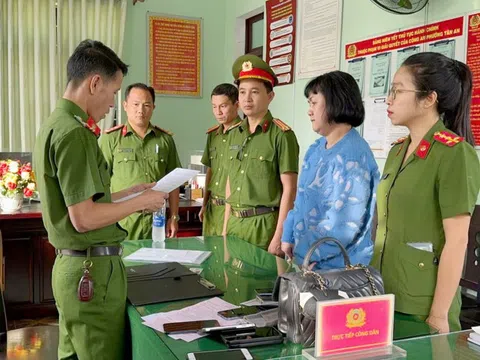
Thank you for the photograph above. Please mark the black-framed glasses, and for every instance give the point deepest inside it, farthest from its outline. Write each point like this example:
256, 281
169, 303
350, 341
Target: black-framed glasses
392, 92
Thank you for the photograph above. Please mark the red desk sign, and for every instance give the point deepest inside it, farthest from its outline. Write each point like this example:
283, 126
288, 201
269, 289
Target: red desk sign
354, 324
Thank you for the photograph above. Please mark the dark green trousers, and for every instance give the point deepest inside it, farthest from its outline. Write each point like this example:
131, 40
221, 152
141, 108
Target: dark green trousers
94, 329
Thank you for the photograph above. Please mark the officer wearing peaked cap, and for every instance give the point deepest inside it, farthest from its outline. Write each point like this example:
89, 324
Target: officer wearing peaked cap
263, 156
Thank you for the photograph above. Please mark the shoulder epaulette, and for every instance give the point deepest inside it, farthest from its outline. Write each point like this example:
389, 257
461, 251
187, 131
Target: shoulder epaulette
163, 130
234, 126
447, 138
399, 141
284, 127
213, 128
118, 127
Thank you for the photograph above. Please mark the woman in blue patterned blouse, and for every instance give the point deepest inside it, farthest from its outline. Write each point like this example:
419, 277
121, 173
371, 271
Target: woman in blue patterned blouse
338, 181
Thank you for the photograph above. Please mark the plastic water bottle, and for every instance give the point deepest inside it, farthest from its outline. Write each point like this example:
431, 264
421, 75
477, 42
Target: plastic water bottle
158, 227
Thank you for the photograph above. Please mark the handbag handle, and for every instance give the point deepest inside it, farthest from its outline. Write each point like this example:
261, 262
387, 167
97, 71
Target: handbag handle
314, 247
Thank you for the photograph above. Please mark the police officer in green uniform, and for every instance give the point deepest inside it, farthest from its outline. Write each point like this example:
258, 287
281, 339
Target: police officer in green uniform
428, 190
88, 280
263, 156
140, 152
225, 109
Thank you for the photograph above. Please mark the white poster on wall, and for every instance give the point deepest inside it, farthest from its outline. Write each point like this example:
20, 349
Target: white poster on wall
319, 41
356, 68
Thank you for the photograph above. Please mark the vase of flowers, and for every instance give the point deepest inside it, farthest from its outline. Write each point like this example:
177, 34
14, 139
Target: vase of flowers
16, 182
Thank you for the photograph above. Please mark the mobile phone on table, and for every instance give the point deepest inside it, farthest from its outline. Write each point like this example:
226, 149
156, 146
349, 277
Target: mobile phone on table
248, 327
261, 336
231, 354
188, 326
264, 294
239, 312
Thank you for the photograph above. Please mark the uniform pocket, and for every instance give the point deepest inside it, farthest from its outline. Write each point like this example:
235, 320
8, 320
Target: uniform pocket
160, 163
261, 163
124, 157
418, 271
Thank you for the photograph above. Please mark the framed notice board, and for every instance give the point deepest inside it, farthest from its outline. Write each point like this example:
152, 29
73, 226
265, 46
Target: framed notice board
175, 55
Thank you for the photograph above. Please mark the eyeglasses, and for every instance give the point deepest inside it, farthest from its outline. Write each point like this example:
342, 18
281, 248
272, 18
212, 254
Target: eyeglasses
393, 92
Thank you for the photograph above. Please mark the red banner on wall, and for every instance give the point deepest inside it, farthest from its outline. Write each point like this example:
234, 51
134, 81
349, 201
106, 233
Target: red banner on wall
281, 23
473, 62
418, 35
175, 55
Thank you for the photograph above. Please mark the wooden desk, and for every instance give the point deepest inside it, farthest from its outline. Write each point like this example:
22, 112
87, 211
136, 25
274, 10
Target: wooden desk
29, 257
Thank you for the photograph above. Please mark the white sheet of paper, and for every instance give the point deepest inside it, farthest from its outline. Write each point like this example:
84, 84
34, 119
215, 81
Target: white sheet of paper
175, 179
169, 182
205, 310
158, 255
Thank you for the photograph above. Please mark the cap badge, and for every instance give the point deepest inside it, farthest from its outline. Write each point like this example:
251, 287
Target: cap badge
247, 66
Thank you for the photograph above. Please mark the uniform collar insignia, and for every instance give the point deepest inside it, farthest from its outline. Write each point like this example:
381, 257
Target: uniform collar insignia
422, 150
90, 124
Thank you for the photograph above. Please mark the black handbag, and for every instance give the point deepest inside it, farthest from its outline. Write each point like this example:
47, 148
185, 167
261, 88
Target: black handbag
299, 323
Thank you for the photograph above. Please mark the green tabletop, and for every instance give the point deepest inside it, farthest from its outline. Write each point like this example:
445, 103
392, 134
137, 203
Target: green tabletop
238, 268
453, 346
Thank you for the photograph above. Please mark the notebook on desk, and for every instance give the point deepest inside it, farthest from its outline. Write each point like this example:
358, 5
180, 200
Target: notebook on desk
158, 283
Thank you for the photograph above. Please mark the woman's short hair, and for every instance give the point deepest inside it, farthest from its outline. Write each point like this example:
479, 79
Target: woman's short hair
343, 100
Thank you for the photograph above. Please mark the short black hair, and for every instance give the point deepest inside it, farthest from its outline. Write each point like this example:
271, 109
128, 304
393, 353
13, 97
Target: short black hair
343, 100
90, 57
229, 90
142, 86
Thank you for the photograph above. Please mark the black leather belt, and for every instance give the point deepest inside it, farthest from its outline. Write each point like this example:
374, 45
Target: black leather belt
94, 251
253, 211
218, 202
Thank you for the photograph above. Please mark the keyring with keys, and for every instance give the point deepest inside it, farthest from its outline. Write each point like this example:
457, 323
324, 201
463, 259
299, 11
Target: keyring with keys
85, 285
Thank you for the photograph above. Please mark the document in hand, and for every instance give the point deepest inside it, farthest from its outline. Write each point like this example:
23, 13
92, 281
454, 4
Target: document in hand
154, 255
169, 182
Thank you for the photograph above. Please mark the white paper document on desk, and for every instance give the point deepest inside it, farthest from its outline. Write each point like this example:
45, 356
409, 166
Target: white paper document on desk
205, 310
156, 255
169, 182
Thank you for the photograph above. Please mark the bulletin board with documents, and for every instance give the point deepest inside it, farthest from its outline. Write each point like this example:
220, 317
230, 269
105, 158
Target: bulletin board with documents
373, 63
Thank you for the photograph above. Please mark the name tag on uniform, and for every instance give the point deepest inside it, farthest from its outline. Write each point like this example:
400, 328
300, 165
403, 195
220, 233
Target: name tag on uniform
212, 149
234, 147
125, 150
385, 176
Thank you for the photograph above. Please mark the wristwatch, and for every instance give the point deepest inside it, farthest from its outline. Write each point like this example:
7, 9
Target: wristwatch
175, 217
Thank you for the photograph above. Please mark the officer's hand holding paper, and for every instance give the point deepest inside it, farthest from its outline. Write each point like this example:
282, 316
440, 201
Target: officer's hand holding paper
169, 182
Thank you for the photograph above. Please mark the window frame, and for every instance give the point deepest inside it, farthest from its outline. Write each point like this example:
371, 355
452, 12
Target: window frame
258, 51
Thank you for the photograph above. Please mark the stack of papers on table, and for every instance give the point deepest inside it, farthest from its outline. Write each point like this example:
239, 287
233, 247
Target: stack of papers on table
154, 255
474, 336
205, 310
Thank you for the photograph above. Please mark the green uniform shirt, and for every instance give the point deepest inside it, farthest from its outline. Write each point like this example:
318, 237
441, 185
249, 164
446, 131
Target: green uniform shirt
132, 160
256, 162
438, 181
214, 156
70, 168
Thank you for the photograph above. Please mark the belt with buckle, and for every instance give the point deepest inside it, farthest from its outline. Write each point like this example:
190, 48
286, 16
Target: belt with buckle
253, 211
218, 202
94, 251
